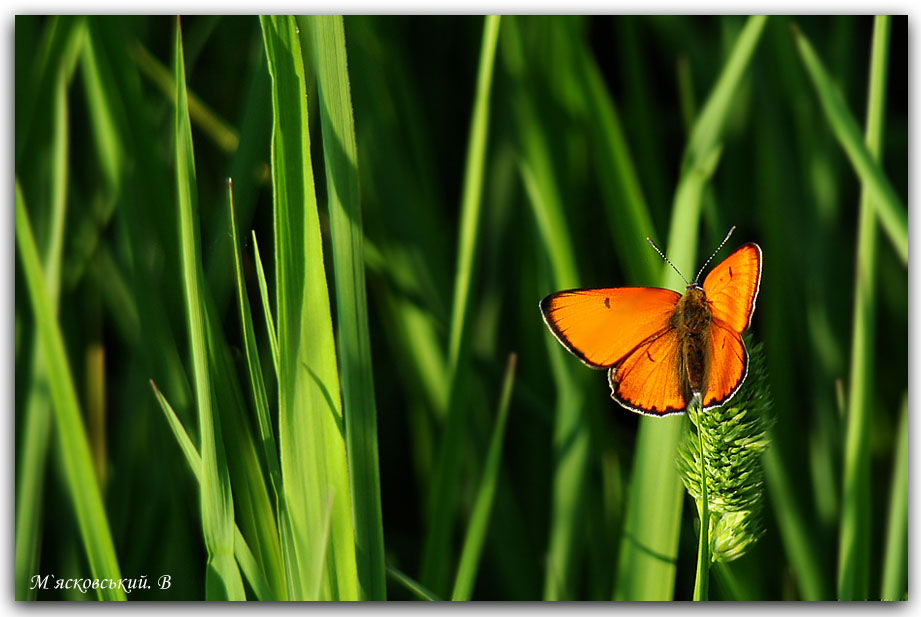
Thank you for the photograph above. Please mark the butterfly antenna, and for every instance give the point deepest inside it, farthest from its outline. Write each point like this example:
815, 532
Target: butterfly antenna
704, 267
662, 255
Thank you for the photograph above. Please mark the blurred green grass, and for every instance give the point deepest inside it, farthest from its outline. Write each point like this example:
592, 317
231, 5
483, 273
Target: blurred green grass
591, 133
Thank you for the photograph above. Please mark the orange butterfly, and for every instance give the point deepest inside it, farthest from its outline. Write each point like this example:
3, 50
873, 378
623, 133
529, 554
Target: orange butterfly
662, 348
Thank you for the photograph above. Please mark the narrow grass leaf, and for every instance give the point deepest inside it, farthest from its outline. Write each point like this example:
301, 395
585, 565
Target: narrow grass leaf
248, 564
570, 428
201, 115
266, 306
628, 214
311, 436
888, 205
223, 577
895, 559
482, 507
345, 219
414, 587
77, 463
437, 549
854, 540
36, 432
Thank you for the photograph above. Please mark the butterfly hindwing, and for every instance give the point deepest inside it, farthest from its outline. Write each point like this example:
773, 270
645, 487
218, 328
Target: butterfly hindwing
602, 326
732, 287
728, 365
649, 379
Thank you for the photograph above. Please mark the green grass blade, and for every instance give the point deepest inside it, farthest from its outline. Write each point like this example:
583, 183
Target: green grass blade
415, 587
646, 565
33, 450
570, 429
482, 507
702, 577
709, 126
345, 219
311, 440
210, 123
250, 568
889, 207
854, 540
253, 365
266, 306
628, 214
437, 548
77, 463
895, 562
223, 576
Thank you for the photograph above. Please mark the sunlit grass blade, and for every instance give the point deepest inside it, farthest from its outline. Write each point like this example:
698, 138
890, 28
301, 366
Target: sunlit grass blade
482, 507
646, 565
436, 555
311, 440
248, 565
895, 562
412, 585
266, 306
345, 218
76, 462
222, 575
854, 556
888, 205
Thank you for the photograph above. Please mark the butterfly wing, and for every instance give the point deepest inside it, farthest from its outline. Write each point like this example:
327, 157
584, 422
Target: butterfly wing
602, 326
728, 365
648, 380
732, 287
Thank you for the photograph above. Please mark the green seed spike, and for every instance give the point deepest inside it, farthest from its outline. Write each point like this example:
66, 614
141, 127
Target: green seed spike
734, 437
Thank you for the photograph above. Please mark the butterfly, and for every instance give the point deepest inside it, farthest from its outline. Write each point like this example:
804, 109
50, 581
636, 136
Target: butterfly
663, 349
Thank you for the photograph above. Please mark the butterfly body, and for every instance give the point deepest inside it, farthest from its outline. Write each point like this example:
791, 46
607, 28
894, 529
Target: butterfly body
692, 324
661, 348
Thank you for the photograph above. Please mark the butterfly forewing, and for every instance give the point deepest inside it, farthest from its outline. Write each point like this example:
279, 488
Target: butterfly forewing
732, 286
602, 326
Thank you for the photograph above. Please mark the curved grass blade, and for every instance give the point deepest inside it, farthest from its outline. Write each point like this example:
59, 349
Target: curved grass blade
311, 439
889, 207
77, 463
482, 507
222, 575
345, 219
854, 540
